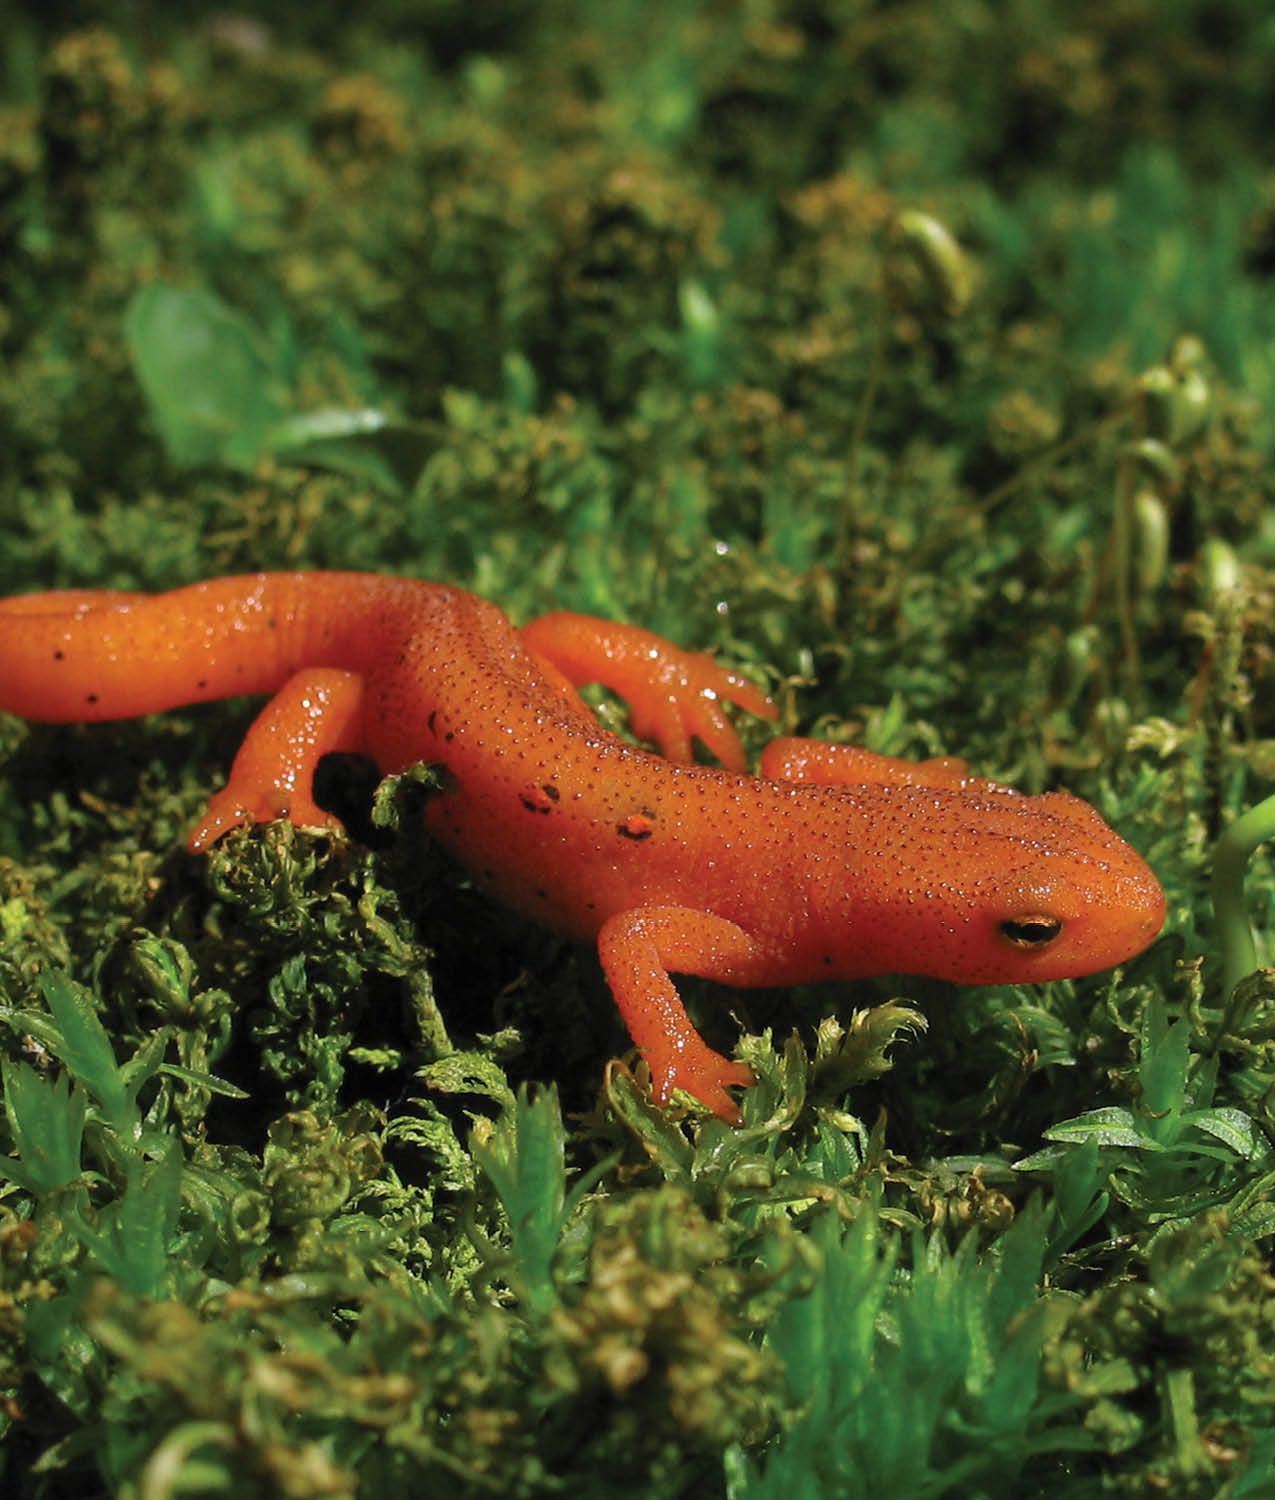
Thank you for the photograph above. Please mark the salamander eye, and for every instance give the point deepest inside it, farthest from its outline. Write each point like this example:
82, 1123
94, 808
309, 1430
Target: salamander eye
1031, 932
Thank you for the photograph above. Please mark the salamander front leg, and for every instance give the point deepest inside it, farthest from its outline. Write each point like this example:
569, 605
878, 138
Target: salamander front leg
638, 949
674, 696
317, 712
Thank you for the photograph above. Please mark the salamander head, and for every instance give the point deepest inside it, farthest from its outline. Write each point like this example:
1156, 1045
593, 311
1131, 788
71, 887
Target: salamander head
1004, 889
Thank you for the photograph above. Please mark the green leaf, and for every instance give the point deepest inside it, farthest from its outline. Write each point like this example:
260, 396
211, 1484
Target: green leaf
132, 1243
208, 1081
1045, 1160
85, 1048
1162, 1069
65, 1358
468, 1073
364, 444
521, 384
1252, 1210
885, 1369
1255, 1222
1080, 1196
656, 1129
210, 384
1233, 1127
144, 1064
46, 1120
847, 1055
523, 1154
1110, 1126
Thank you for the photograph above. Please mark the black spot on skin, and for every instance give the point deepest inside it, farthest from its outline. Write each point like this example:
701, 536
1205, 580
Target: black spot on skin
90, 697
430, 721
637, 826
202, 684
59, 656
551, 791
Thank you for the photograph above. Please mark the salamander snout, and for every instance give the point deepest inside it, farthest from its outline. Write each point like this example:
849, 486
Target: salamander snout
1019, 890
1086, 902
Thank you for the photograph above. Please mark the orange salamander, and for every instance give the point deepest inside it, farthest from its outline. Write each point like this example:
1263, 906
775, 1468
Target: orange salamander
833, 863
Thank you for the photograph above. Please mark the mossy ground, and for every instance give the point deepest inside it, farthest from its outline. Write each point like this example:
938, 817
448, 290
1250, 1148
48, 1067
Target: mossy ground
319, 1182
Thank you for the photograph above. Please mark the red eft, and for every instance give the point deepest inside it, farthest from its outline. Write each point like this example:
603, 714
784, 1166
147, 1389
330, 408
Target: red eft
833, 863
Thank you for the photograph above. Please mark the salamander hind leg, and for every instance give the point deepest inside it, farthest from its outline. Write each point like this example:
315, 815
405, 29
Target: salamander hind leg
317, 712
674, 696
638, 949
793, 759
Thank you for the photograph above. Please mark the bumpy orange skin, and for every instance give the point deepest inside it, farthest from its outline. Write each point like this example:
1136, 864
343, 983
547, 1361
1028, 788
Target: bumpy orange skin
835, 864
